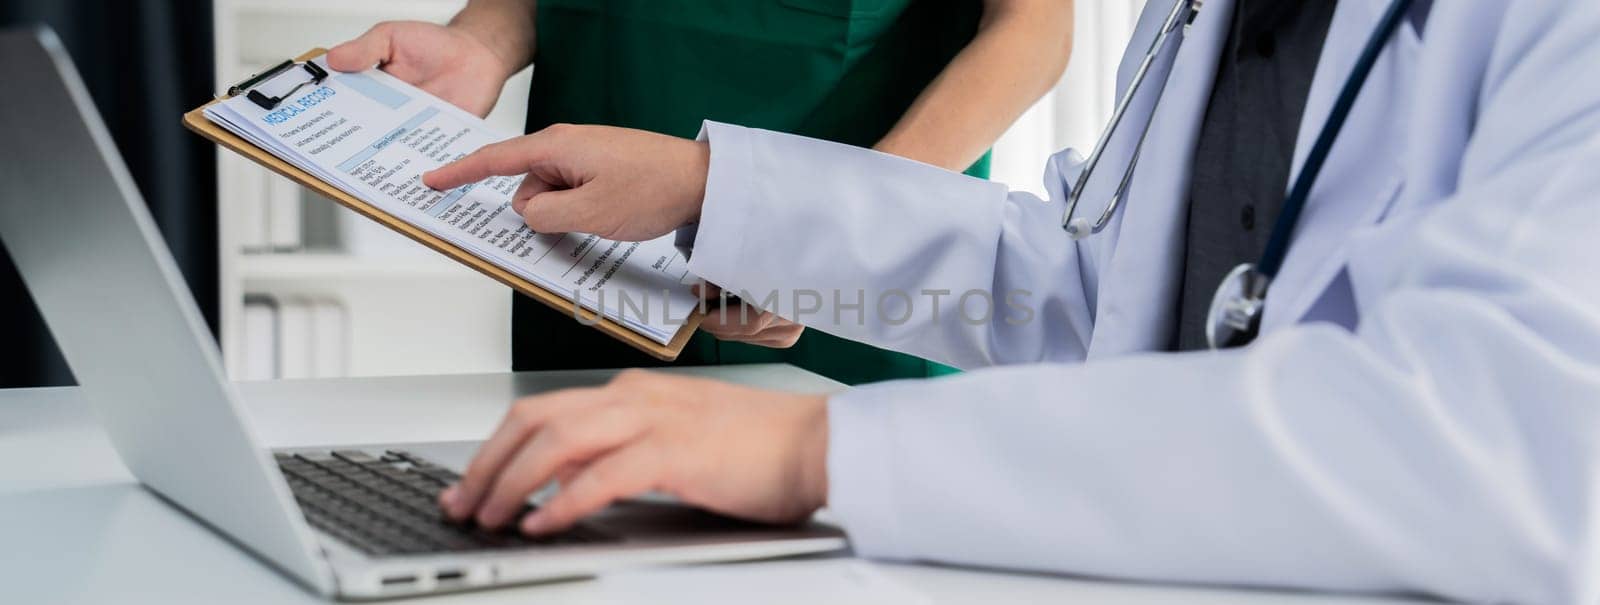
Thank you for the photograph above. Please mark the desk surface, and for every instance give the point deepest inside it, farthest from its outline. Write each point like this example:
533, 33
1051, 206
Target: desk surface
76, 527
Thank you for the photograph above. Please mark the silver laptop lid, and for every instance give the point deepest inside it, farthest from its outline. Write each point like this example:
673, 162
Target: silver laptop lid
111, 294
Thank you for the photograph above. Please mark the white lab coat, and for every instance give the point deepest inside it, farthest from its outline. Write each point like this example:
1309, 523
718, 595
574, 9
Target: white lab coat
1422, 412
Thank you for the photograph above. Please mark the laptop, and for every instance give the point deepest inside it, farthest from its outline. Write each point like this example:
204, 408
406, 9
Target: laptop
346, 521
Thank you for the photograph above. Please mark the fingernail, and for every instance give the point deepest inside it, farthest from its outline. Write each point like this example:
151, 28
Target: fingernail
485, 519
533, 523
448, 498
460, 508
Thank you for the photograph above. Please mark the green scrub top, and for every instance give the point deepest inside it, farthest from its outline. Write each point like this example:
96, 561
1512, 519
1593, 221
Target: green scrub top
842, 70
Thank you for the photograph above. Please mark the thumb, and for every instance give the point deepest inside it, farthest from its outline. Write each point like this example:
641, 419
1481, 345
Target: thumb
563, 211
531, 186
364, 52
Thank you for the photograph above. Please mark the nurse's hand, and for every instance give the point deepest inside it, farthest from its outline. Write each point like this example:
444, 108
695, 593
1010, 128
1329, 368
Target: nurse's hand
744, 452
616, 183
450, 62
737, 321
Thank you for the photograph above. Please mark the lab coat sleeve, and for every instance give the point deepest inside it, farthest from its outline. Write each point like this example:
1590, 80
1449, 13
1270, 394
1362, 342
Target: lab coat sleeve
1449, 446
891, 252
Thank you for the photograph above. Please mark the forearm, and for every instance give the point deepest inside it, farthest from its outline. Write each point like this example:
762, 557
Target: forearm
985, 278
1220, 469
505, 26
1019, 53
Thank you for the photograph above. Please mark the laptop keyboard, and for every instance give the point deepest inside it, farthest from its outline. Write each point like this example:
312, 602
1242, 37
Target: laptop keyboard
388, 505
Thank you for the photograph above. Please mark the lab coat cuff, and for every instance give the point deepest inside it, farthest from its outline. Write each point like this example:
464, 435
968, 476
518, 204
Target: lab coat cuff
861, 472
684, 238
719, 237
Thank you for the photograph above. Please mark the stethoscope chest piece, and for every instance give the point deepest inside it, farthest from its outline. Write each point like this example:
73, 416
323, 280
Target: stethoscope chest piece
1235, 315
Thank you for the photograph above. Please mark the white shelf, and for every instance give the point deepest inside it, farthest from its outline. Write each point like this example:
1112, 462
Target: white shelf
409, 310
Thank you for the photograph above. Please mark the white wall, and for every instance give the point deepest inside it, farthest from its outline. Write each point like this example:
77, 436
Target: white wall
1073, 114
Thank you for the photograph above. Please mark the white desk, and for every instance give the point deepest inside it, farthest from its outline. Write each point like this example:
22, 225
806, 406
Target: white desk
75, 526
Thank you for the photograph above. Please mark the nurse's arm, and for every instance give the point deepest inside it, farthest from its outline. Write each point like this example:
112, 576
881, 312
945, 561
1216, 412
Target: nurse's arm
1018, 54
506, 26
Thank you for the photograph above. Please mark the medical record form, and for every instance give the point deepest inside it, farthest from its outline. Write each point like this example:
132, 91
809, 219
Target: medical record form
372, 136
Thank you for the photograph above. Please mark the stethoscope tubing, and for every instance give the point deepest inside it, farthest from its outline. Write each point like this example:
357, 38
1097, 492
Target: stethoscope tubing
1237, 308
1289, 216
1168, 28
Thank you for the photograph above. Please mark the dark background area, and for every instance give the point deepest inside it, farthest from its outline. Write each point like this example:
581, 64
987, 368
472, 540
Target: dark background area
145, 62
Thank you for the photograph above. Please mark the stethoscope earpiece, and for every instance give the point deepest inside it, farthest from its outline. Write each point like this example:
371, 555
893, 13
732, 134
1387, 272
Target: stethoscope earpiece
1079, 228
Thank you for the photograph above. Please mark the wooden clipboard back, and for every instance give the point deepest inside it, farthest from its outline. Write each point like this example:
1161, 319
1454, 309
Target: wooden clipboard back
195, 120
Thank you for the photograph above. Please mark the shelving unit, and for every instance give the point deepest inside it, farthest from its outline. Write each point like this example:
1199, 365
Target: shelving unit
407, 310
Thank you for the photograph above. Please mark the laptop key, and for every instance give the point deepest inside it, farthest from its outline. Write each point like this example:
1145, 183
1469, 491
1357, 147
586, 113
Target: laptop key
388, 505
440, 474
354, 456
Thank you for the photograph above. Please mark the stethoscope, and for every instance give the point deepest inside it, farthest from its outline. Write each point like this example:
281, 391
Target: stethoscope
1235, 315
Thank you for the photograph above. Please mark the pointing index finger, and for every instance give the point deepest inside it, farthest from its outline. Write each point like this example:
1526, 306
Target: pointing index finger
506, 158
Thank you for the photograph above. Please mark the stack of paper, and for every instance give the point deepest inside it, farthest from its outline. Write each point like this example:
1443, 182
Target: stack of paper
373, 137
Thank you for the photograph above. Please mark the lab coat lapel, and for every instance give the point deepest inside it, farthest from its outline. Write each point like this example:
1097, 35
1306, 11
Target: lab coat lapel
1134, 309
1363, 172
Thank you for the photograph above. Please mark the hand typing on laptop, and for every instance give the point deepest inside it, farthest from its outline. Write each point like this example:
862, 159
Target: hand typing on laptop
739, 451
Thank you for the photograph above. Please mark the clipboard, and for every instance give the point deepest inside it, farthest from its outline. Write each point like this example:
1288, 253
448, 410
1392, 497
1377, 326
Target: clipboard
195, 120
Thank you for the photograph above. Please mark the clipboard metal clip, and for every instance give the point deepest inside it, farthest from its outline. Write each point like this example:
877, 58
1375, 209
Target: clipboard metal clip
318, 74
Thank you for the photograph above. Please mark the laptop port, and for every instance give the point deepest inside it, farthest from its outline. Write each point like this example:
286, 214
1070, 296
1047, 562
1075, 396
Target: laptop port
454, 575
398, 580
